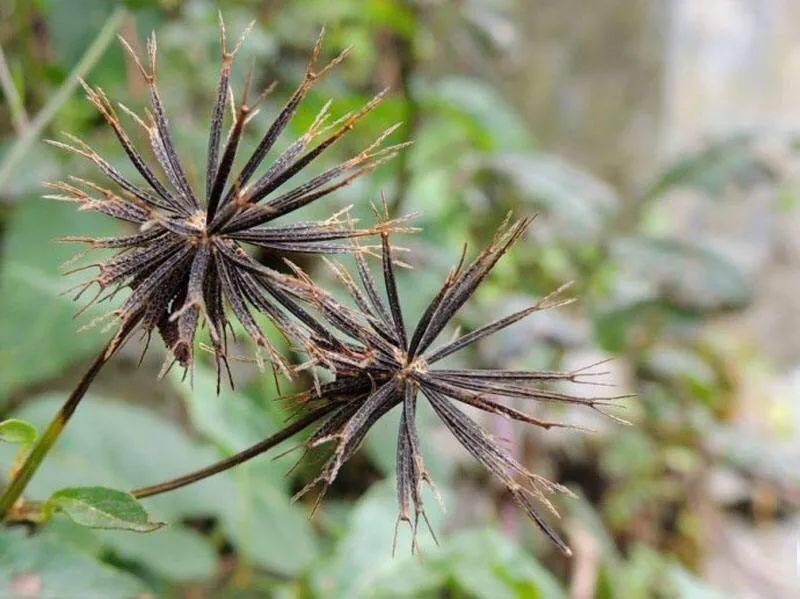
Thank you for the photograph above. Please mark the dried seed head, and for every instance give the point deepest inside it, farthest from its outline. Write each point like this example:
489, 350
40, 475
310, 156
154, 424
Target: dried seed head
379, 367
186, 263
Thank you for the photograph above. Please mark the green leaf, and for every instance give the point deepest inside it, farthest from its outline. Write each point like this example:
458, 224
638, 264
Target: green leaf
77, 23
39, 566
688, 276
475, 563
485, 563
174, 552
234, 420
17, 431
362, 564
38, 335
687, 586
12, 160
489, 120
264, 524
101, 507
21, 433
731, 160
577, 203
267, 528
381, 445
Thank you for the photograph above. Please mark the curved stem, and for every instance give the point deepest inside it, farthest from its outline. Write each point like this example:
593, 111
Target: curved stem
51, 434
235, 460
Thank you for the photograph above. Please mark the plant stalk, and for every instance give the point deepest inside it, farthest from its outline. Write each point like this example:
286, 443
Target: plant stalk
53, 431
235, 460
19, 118
17, 152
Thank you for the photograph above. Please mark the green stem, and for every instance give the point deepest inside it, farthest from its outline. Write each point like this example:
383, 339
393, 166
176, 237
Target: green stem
24, 142
234, 460
44, 443
19, 118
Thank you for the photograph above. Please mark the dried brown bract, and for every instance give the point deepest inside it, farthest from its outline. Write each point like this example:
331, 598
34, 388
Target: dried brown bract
379, 366
186, 261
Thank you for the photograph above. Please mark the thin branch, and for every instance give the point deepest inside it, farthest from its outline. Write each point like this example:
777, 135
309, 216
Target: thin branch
406, 57
23, 144
235, 460
19, 118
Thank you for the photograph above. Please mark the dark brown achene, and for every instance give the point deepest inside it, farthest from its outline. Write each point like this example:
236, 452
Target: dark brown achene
186, 260
379, 367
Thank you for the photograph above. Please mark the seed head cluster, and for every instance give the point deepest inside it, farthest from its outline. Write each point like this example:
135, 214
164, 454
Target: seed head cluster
185, 266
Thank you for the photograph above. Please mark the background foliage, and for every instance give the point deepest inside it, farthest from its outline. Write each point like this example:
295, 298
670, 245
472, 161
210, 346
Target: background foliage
649, 297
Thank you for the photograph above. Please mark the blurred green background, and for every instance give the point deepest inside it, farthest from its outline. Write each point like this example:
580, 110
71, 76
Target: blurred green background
654, 139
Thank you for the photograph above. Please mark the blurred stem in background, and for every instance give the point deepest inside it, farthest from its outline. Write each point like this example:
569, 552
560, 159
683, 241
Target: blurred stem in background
19, 118
28, 134
401, 50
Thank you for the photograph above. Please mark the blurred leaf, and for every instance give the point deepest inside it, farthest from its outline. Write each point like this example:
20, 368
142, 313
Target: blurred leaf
86, 540
481, 110
381, 445
642, 320
232, 420
633, 497
101, 507
124, 446
752, 451
732, 160
17, 431
613, 326
786, 199
674, 361
685, 368
633, 454
477, 563
263, 523
577, 203
688, 276
641, 574
362, 562
381, 442
268, 529
492, 21
38, 566
42, 164
687, 586
74, 24
399, 16
173, 552
485, 563
38, 337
